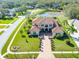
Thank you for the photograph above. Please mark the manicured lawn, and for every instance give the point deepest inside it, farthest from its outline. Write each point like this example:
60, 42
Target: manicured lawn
20, 56
62, 20
2, 26
4, 49
62, 55
24, 42
60, 45
1, 32
7, 21
38, 11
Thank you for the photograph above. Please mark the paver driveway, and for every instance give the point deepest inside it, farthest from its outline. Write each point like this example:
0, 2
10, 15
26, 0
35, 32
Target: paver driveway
46, 49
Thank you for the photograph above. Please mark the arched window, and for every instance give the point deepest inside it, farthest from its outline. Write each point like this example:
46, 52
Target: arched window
46, 25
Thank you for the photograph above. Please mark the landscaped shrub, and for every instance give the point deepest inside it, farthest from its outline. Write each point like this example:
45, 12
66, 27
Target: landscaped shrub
60, 8
28, 32
69, 43
23, 36
29, 27
29, 20
73, 29
55, 18
26, 41
21, 31
24, 27
30, 36
52, 45
61, 37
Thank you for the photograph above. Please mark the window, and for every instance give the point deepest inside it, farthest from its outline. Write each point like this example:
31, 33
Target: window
34, 33
50, 25
46, 25
42, 25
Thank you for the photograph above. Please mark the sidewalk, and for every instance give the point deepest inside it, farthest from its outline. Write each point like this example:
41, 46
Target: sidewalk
3, 29
5, 24
1, 57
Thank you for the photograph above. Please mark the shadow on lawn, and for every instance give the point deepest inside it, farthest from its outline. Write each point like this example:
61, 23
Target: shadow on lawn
70, 44
65, 36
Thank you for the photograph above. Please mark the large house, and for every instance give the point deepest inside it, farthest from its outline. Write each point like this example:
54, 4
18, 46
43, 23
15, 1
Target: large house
45, 24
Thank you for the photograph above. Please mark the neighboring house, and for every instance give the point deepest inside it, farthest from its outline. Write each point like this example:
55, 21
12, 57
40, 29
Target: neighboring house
30, 7
10, 13
0, 5
56, 5
46, 25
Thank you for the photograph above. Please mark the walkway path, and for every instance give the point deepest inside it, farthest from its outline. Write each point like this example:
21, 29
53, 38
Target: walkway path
1, 57
3, 29
5, 24
46, 49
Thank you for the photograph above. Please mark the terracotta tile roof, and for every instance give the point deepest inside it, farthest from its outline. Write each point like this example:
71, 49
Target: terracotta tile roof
46, 20
35, 28
57, 29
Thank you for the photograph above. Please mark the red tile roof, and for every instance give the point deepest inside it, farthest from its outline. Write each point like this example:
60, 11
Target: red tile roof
46, 20
57, 29
35, 28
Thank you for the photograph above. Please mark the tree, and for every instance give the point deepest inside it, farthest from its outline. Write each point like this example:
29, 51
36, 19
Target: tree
72, 11
49, 2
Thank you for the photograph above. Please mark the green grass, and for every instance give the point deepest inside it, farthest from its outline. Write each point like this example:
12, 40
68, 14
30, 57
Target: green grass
2, 26
32, 44
1, 32
62, 20
20, 56
62, 55
60, 45
38, 11
7, 21
4, 49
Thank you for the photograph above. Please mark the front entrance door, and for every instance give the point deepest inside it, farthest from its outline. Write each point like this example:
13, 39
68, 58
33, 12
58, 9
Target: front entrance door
46, 30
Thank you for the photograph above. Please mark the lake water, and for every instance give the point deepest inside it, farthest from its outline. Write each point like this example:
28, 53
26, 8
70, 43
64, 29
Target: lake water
50, 14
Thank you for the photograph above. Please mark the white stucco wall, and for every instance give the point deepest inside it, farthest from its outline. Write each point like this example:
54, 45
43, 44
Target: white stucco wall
58, 32
43, 27
32, 33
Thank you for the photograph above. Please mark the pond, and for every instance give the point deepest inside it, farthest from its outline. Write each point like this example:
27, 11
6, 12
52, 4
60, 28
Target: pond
50, 14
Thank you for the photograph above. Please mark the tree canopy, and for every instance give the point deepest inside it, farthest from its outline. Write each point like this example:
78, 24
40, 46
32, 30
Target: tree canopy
72, 11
